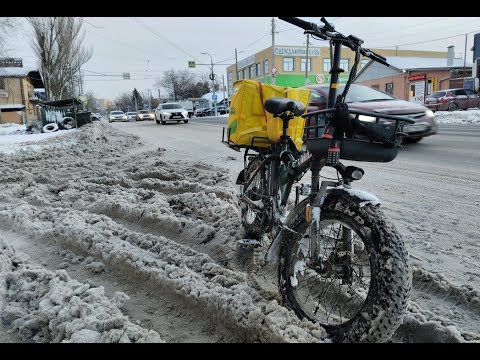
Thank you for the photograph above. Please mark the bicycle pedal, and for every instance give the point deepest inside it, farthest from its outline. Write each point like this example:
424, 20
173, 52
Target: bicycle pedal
250, 243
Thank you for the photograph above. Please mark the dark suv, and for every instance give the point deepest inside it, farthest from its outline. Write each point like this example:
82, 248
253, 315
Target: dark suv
365, 98
453, 99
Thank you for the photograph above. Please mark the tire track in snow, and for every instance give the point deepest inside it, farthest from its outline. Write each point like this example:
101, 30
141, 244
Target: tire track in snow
52, 199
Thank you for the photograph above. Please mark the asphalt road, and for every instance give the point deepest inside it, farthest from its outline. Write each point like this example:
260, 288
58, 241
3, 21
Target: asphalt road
456, 145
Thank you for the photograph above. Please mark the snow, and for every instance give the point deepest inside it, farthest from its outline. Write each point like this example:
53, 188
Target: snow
107, 237
13, 139
11, 106
470, 116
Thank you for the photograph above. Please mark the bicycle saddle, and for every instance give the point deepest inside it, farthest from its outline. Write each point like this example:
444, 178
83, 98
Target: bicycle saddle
277, 106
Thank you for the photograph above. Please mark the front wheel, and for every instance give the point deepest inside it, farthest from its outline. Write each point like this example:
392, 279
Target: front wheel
358, 283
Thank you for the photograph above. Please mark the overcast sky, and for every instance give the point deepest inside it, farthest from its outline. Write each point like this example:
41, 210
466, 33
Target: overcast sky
145, 47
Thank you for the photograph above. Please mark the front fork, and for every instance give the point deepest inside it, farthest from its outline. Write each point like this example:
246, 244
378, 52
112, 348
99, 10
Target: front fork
339, 260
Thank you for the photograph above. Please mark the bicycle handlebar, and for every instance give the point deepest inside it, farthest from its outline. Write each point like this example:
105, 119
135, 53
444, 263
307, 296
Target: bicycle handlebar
327, 32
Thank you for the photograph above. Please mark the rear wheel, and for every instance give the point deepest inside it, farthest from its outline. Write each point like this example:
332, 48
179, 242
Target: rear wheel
452, 107
251, 218
358, 284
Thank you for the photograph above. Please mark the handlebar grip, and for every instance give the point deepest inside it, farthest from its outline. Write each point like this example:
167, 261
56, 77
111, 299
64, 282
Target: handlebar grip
305, 25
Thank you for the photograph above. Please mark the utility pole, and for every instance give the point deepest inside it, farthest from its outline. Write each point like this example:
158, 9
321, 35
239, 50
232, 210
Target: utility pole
273, 50
212, 77
465, 57
73, 96
224, 99
236, 65
80, 87
307, 80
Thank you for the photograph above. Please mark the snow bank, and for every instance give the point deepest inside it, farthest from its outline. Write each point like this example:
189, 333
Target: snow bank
458, 117
46, 306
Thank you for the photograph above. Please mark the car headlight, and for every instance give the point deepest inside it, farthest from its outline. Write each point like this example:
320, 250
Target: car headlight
185, 113
429, 113
367, 118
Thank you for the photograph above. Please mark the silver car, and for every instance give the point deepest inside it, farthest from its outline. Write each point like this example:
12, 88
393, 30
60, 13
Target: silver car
117, 116
170, 112
131, 115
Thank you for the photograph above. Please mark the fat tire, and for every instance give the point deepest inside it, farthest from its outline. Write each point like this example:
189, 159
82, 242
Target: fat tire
386, 303
253, 229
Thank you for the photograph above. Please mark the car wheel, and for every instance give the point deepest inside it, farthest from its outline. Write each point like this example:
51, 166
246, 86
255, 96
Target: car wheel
452, 107
411, 141
185, 121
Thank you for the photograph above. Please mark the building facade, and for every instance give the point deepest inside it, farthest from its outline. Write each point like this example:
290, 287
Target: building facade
20, 91
292, 67
413, 78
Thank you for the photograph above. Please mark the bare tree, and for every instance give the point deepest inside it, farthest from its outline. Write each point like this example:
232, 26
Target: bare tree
180, 84
92, 104
58, 44
124, 102
7, 24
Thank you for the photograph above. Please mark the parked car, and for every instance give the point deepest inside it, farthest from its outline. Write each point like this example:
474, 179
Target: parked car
131, 115
117, 116
221, 110
453, 99
144, 115
198, 112
170, 112
208, 111
365, 98
95, 116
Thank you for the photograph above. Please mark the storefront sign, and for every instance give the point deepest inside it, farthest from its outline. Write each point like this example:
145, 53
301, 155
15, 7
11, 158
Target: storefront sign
11, 62
417, 77
296, 51
325, 78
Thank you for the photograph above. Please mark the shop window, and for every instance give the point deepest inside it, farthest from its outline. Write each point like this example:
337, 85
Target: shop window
257, 69
288, 64
265, 67
327, 65
344, 63
389, 88
250, 72
303, 62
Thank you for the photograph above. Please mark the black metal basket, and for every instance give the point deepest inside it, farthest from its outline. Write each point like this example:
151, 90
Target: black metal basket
371, 141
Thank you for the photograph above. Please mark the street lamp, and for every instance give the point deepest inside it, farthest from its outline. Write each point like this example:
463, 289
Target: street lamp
212, 77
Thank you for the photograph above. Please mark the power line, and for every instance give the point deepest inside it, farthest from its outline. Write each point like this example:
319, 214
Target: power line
96, 27
162, 37
426, 41
406, 27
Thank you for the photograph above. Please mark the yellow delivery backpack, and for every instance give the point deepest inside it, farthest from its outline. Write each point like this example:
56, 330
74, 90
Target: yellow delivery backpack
249, 124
